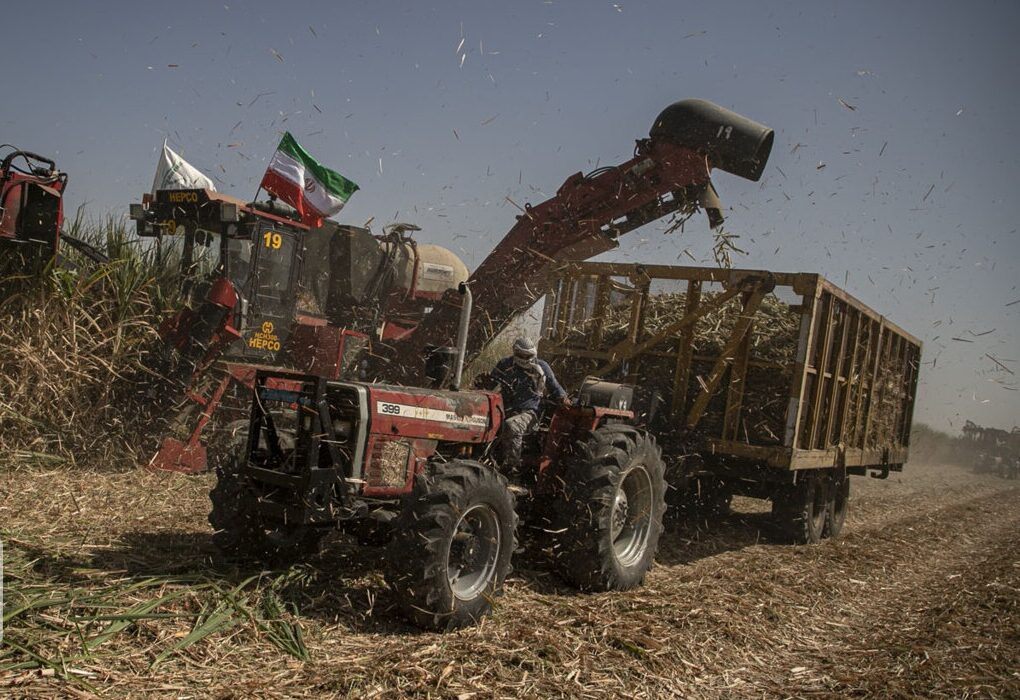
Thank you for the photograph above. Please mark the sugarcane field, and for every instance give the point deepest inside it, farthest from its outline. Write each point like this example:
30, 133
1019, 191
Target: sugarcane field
528, 350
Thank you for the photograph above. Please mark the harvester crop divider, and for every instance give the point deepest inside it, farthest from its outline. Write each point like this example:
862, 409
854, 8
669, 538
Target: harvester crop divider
190, 457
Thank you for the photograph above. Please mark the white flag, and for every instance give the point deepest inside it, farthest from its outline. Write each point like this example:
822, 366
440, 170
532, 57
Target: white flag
175, 173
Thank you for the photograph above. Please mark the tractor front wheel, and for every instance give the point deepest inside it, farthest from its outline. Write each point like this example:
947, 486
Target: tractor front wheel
615, 500
452, 544
238, 530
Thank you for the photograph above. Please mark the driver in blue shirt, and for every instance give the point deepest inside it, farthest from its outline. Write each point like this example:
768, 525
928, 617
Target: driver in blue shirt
524, 380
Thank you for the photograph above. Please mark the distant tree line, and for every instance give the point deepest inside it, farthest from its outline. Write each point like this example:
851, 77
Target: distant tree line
930, 444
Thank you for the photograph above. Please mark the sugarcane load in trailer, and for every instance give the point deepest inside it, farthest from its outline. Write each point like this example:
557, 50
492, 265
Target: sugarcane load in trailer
765, 384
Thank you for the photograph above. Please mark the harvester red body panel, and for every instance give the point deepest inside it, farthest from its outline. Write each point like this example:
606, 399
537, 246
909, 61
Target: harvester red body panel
31, 206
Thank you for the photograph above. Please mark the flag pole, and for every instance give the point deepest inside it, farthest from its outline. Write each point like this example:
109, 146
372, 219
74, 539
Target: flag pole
271, 195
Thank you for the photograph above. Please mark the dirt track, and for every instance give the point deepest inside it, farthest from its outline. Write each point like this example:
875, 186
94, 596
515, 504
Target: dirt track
921, 596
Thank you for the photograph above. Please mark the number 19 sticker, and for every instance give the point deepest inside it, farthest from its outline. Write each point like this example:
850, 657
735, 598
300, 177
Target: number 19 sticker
272, 240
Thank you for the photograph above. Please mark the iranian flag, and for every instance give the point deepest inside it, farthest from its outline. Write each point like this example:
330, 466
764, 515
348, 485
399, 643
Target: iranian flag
302, 182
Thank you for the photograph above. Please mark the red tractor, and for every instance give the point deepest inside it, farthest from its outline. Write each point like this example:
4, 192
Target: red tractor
31, 209
414, 467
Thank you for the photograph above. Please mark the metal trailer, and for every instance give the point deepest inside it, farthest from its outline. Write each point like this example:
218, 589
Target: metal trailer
759, 383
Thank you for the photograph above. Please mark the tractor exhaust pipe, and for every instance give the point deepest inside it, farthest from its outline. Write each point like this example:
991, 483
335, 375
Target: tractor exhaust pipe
462, 333
732, 142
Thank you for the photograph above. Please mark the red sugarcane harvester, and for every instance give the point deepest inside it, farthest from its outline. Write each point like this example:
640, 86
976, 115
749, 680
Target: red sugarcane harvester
265, 291
270, 292
414, 465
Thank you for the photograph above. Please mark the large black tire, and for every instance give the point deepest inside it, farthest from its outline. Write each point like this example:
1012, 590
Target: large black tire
800, 509
839, 502
452, 545
239, 532
612, 515
370, 532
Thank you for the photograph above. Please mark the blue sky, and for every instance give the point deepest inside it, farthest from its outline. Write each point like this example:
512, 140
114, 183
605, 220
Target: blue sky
907, 199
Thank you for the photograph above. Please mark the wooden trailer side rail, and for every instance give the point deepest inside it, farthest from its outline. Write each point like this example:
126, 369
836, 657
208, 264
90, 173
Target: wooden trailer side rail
849, 396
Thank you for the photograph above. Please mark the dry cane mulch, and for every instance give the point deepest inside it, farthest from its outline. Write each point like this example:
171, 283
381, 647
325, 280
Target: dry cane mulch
113, 589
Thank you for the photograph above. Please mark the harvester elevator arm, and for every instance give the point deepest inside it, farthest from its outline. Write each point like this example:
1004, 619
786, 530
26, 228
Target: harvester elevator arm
670, 172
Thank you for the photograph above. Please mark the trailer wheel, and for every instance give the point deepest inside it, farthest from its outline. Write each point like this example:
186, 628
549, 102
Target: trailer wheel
615, 500
801, 509
452, 545
238, 531
839, 492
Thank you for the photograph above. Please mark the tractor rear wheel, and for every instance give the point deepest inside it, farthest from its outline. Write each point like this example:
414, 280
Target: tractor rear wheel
452, 544
615, 500
839, 500
800, 509
239, 531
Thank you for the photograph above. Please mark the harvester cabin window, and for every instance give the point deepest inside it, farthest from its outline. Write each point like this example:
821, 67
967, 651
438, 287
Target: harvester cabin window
274, 268
239, 252
38, 220
205, 253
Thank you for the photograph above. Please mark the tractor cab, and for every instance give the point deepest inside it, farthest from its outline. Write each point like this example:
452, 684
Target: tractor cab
31, 209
